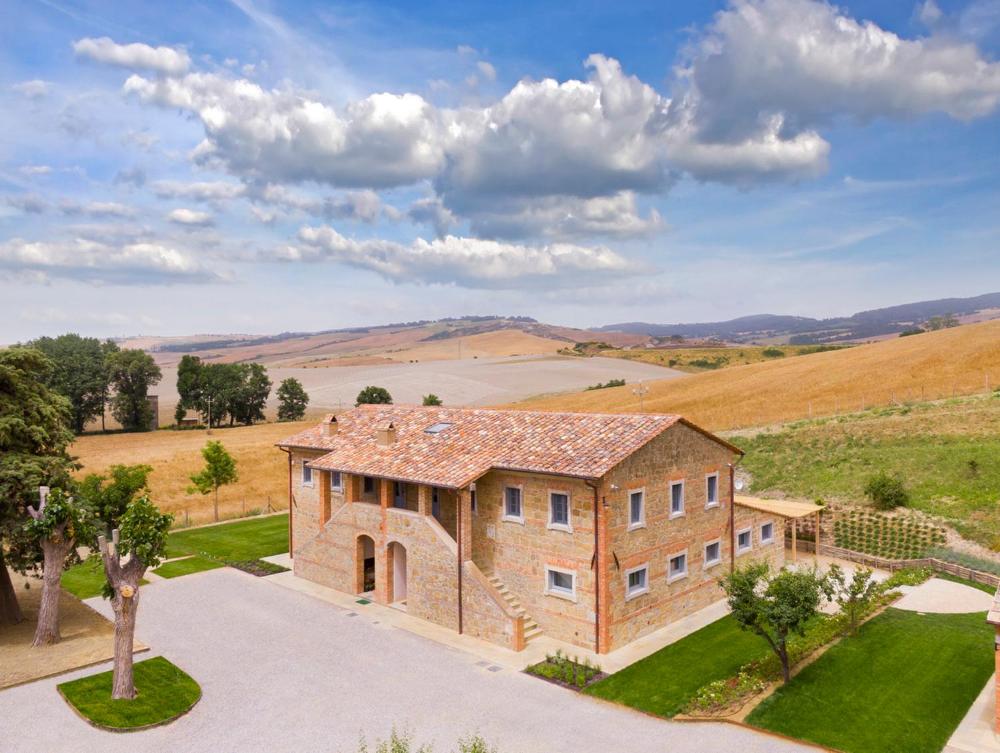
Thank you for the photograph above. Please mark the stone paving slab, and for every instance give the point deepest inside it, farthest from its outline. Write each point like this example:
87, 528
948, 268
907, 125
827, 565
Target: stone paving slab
945, 597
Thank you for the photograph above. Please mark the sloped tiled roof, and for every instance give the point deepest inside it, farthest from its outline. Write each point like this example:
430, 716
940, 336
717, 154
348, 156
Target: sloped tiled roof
584, 445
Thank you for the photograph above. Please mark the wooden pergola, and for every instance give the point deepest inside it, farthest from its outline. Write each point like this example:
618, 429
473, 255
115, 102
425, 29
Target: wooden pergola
788, 509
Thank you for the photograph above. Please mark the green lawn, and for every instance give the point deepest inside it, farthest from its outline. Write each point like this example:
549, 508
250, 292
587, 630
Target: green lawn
86, 579
664, 682
187, 566
903, 684
248, 539
164, 692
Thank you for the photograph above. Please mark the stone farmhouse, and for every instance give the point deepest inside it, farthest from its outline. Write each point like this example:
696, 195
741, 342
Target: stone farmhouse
593, 529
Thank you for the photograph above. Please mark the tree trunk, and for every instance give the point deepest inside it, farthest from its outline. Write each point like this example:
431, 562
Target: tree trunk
786, 671
10, 610
216, 504
55, 551
125, 608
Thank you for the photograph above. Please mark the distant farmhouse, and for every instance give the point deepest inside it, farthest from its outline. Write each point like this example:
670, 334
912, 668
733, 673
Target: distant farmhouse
592, 529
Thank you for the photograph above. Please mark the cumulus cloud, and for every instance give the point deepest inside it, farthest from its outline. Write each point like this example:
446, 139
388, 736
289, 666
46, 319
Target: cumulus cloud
94, 261
430, 211
97, 208
190, 218
34, 170
283, 136
455, 260
214, 190
487, 70
168, 60
360, 206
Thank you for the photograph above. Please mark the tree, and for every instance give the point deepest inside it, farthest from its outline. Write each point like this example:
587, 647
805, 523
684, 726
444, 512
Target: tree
57, 525
78, 373
432, 399
219, 470
773, 605
854, 596
251, 395
34, 434
108, 348
189, 386
142, 537
373, 396
292, 400
945, 321
132, 373
886, 492
109, 498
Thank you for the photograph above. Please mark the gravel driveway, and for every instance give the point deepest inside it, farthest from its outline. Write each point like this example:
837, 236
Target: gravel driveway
282, 671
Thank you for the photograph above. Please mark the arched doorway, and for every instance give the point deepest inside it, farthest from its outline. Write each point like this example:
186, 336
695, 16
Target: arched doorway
364, 561
396, 562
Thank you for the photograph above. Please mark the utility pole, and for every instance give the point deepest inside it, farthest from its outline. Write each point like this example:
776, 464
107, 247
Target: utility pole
640, 391
209, 412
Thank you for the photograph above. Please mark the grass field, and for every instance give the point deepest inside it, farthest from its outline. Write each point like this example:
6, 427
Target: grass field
664, 682
187, 566
243, 540
928, 366
903, 684
944, 452
175, 455
164, 692
696, 360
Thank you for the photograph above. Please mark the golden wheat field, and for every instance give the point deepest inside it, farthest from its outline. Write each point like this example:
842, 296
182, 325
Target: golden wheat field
960, 361
175, 455
697, 360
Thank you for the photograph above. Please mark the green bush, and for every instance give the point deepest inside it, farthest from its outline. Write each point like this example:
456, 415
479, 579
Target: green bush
772, 353
910, 576
886, 492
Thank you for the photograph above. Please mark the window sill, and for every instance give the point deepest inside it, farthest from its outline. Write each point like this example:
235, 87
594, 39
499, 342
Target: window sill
675, 578
712, 506
675, 515
710, 565
636, 526
767, 542
636, 594
509, 519
560, 527
562, 595
741, 552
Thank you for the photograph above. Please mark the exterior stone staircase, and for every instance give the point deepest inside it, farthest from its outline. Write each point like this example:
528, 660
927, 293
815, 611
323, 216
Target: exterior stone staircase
531, 628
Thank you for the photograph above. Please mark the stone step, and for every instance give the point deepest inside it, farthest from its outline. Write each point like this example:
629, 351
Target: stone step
531, 628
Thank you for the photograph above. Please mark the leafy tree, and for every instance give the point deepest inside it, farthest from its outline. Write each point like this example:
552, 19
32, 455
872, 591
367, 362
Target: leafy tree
774, 605
219, 470
108, 348
886, 492
911, 331
110, 497
142, 537
432, 399
251, 395
945, 321
373, 396
236, 392
78, 373
34, 434
855, 595
189, 385
292, 400
57, 525
132, 373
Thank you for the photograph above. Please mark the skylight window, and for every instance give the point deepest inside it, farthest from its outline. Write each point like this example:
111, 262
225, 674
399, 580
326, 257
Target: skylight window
437, 428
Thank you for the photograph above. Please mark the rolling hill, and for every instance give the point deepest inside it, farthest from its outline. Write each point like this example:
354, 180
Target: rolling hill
959, 361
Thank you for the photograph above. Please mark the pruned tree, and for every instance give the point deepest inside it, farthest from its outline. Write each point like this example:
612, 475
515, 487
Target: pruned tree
219, 470
774, 605
132, 373
292, 400
34, 434
58, 523
854, 596
372, 395
137, 544
109, 496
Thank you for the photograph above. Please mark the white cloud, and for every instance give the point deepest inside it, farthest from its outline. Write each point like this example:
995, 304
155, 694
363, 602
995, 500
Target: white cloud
168, 60
27, 203
87, 260
33, 170
487, 70
199, 190
430, 211
471, 262
97, 208
191, 218
361, 206
33, 89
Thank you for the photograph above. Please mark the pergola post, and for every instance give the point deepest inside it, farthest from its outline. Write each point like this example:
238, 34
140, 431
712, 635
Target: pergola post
795, 544
816, 540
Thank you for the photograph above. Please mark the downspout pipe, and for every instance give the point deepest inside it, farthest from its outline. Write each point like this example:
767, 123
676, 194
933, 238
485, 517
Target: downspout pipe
291, 548
732, 513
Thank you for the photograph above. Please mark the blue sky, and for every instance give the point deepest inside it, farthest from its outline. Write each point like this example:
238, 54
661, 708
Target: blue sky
246, 167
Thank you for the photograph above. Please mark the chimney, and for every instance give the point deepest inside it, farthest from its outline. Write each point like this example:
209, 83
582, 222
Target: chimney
385, 435
329, 426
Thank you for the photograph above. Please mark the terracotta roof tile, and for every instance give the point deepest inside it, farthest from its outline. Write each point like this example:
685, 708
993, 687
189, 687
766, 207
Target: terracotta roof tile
584, 445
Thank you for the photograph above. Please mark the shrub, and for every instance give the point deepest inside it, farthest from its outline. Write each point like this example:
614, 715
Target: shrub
886, 492
432, 399
965, 560
373, 396
772, 353
910, 576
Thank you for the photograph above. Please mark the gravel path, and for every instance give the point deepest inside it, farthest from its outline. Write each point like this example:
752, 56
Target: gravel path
944, 596
282, 671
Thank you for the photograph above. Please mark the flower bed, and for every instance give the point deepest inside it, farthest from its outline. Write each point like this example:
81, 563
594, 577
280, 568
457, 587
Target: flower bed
569, 672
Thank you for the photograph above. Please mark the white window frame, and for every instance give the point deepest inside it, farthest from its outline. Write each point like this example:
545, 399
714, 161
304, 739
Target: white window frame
513, 518
681, 575
741, 550
553, 526
629, 595
763, 541
709, 504
305, 467
670, 499
641, 523
336, 487
560, 592
708, 564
